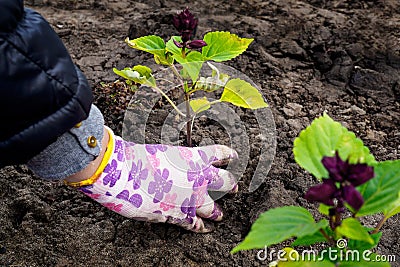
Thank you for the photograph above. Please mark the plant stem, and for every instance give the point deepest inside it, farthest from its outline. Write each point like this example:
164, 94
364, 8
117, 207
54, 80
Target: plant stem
327, 237
188, 121
176, 72
169, 100
214, 102
338, 219
194, 115
183, 52
379, 225
187, 103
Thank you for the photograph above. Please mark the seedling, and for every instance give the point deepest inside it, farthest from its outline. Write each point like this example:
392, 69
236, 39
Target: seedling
354, 185
185, 57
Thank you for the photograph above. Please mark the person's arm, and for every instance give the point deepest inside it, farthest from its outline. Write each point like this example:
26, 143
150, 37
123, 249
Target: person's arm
46, 106
43, 94
93, 166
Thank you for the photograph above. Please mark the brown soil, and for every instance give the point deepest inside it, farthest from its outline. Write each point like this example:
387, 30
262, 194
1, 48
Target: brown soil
309, 56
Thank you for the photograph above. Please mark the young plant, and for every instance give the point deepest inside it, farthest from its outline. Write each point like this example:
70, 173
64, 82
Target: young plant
354, 185
181, 55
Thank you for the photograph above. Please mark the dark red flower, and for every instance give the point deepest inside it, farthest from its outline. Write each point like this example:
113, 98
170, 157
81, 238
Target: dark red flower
359, 174
352, 197
341, 185
323, 193
178, 44
186, 24
195, 44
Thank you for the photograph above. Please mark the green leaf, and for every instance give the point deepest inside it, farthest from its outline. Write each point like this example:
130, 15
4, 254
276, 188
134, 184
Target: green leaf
353, 149
393, 208
279, 224
191, 64
223, 46
215, 82
308, 240
352, 229
324, 209
172, 48
165, 60
382, 190
200, 104
322, 138
152, 44
138, 74
242, 94
362, 245
127, 73
143, 70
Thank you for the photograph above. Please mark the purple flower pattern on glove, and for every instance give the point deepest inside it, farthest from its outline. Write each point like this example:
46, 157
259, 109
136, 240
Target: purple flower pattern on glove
136, 199
152, 149
137, 174
188, 207
195, 174
86, 189
216, 181
129, 151
200, 171
119, 150
160, 185
209, 171
185, 153
112, 206
113, 174
141, 182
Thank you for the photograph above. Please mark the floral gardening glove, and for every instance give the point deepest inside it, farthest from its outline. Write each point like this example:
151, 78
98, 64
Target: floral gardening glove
162, 183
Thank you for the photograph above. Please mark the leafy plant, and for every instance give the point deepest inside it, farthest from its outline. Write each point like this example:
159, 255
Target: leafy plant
181, 55
353, 186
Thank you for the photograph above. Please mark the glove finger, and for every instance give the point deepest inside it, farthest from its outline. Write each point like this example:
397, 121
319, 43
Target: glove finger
222, 181
221, 155
210, 210
194, 224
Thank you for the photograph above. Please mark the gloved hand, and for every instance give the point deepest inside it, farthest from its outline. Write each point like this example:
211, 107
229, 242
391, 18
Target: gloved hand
162, 183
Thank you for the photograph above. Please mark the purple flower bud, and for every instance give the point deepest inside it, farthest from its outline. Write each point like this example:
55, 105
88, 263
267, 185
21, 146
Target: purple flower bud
178, 44
186, 36
352, 197
196, 44
186, 24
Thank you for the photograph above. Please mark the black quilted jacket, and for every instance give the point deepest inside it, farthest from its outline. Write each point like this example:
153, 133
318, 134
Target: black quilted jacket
42, 93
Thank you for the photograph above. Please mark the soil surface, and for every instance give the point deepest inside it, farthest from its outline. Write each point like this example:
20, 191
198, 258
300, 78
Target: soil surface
309, 56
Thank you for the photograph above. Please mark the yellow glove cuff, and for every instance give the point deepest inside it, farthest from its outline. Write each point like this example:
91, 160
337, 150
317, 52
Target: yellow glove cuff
102, 166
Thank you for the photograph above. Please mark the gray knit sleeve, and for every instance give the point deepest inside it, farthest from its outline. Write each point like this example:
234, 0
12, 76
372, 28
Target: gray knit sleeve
72, 151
